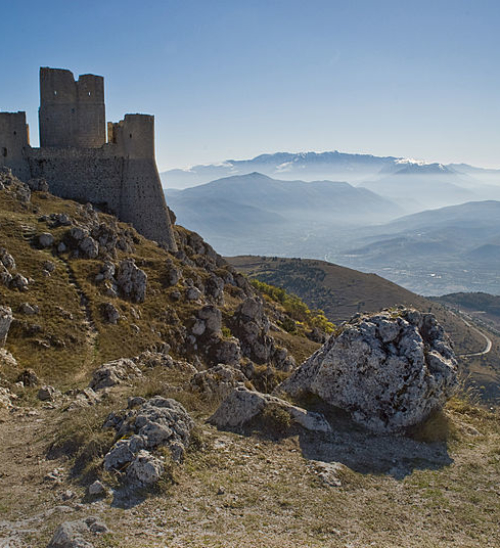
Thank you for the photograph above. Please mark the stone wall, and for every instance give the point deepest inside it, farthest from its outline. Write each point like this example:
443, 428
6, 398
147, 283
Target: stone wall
128, 187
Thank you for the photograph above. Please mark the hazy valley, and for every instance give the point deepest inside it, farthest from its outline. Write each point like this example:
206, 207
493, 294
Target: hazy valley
447, 243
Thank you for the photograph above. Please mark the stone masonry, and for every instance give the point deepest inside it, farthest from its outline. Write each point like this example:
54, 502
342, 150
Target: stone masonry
119, 175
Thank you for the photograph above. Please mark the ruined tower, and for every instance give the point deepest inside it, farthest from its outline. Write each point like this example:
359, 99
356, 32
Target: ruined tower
119, 175
71, 113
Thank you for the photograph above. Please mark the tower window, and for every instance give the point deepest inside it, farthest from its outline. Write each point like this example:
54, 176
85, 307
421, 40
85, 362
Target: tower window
89, 93
4, 152
130, 135
15, 132
55, 92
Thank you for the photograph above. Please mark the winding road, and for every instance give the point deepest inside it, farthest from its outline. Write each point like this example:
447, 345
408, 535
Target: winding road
489, 343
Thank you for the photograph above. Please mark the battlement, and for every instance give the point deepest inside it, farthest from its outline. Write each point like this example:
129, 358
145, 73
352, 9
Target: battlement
120, 175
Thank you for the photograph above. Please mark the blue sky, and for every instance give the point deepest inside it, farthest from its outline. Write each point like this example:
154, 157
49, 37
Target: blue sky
233, 79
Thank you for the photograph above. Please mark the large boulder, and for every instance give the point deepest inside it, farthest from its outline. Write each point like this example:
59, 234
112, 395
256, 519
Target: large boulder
243, 405
390, 370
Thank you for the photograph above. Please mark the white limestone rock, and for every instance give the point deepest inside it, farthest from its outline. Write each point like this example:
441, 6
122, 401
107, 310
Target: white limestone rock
242, 405
131, 281
145, 469
158, 422
390, 370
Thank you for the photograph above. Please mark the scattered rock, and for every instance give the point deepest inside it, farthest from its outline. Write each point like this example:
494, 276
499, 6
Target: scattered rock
193, 294
390, 370
131, 281
28, 309
7, 259
251, 325
218, 381
75, 534
88, 247
114, 373
5, 321
28, 377
96, 489
49, 266
173, 275
19, 282
243, 405
48, 393
5, 398
110, 313
45, 240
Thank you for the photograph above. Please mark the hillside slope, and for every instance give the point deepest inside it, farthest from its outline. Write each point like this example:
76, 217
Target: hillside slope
342, 292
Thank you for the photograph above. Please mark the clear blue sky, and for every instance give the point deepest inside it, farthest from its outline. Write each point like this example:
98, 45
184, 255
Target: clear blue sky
236, 78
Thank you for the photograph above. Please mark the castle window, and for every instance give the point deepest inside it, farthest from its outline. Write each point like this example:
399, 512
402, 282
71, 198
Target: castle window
55, 92
4, 152
89, 93
130, 136
15, 132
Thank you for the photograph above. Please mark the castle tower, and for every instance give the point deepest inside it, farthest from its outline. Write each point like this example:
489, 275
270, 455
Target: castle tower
14, 141
71, 113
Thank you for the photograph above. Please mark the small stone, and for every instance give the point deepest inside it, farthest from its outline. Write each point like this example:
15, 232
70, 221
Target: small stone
28, 309
28, 378
45, 240
96, 489
48, 393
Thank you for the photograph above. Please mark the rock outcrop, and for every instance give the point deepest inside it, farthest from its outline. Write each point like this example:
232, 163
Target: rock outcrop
390, 370
218, 381
158, 422
243, 405
113, 373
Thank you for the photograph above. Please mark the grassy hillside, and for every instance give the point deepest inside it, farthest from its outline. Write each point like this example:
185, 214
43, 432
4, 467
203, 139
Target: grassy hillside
342, 292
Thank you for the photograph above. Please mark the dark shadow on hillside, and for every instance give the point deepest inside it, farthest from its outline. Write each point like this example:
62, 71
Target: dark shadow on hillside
127, 498
368, 453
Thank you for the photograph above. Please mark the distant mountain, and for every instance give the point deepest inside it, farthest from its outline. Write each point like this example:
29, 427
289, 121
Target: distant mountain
445, 250
417, 187
249, 209
306, 166
333, 166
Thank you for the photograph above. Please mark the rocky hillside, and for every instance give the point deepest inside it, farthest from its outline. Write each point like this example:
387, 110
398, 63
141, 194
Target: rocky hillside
155, 399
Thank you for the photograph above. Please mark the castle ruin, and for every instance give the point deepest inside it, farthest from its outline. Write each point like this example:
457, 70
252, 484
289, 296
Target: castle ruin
119, 175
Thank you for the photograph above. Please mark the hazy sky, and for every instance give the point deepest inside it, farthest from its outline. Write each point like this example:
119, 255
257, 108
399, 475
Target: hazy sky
236, 78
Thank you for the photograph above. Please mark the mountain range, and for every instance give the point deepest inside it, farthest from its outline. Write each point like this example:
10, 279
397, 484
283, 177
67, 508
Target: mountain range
313, 166
432, 228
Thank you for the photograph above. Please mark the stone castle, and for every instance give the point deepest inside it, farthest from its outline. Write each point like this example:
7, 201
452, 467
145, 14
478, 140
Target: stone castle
119, 175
